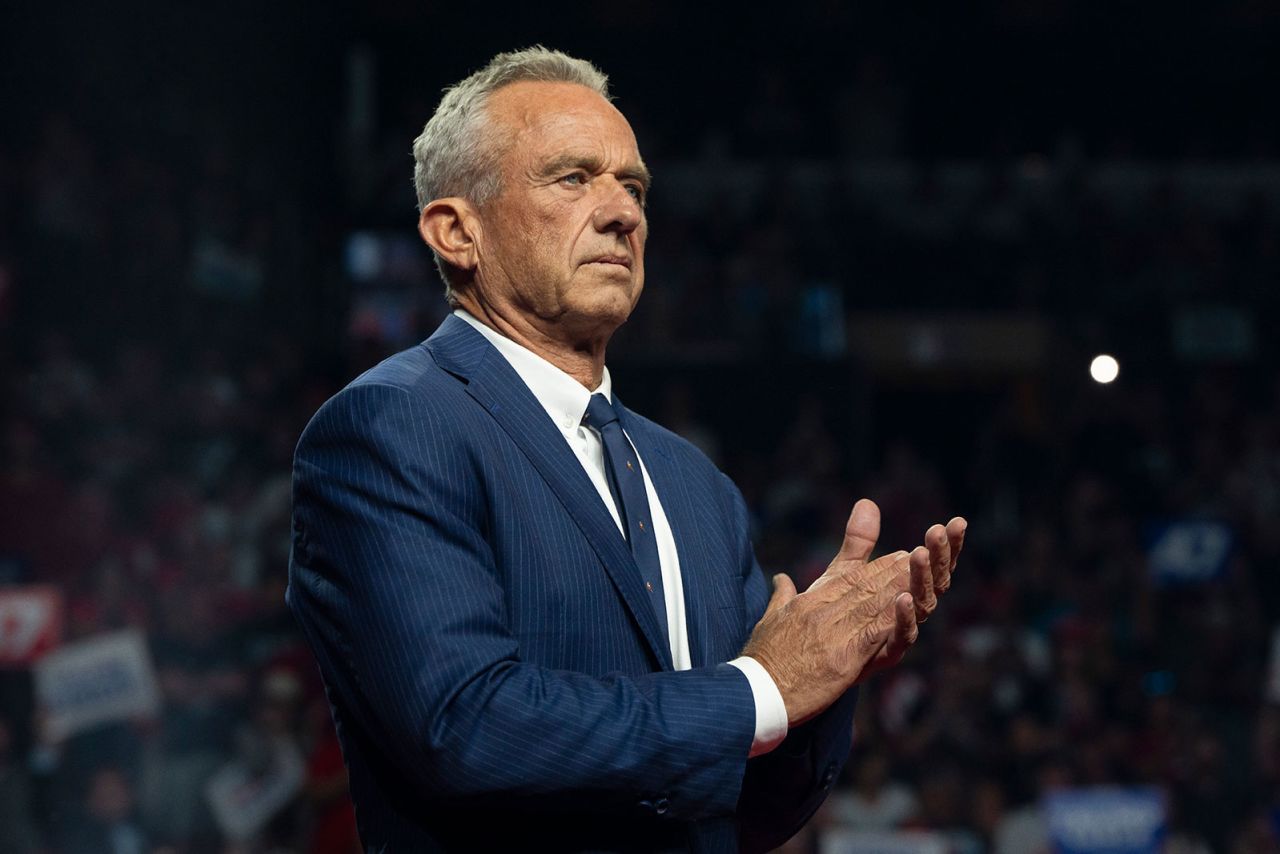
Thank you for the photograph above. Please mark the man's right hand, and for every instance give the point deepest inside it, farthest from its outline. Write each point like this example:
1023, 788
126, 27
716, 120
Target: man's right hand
856, 619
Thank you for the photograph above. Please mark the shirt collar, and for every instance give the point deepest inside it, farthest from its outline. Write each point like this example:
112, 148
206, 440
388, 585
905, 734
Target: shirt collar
564, 398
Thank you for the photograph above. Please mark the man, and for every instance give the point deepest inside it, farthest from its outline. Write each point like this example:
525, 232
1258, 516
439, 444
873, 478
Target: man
537, 614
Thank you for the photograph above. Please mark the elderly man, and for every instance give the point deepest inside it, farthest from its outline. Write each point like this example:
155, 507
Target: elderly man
537, 614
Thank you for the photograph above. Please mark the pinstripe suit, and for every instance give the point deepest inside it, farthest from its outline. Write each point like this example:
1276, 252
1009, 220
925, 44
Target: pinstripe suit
497, 675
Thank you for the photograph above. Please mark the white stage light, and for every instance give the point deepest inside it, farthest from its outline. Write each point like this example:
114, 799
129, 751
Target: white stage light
1104, 368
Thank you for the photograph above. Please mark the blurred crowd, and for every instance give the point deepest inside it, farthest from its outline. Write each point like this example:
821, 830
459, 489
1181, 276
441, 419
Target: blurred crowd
171, 315
155, 495
1063, 659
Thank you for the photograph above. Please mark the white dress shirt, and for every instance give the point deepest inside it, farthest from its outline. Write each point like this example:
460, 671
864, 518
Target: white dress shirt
565, 400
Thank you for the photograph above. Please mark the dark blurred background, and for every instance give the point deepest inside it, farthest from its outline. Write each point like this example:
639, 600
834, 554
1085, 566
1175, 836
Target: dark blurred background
895, 237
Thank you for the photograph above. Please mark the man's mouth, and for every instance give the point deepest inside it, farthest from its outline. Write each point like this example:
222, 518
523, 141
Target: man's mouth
620, 260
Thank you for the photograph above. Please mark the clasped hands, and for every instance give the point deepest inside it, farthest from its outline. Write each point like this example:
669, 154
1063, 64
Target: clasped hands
858, 618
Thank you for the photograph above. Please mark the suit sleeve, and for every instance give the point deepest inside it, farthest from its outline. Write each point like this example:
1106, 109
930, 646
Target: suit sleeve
784, 788
395, 586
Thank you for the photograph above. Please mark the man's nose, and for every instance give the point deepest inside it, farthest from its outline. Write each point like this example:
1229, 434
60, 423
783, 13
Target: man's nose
618, 210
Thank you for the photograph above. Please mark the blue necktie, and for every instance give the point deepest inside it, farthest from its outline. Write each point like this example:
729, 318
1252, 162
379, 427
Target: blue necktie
626, 482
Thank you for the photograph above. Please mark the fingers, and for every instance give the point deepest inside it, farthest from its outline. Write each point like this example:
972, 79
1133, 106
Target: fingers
939, 551
894, 639
877, 583
861, 531
905, 629
931, 565
906, 588
876, 574
923, 575
956, 529
784, 590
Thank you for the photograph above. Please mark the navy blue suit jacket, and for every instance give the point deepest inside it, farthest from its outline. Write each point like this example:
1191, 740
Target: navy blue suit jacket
497, 675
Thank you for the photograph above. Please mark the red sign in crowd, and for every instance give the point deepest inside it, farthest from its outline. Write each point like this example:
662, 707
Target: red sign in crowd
30, 623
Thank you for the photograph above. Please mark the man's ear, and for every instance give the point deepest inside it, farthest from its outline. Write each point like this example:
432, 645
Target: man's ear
450, 227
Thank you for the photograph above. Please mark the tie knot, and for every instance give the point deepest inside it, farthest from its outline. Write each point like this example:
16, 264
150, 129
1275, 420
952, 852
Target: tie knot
600, 412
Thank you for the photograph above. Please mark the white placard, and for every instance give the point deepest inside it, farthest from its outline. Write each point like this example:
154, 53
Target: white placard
93, 681
845, 841
243, 802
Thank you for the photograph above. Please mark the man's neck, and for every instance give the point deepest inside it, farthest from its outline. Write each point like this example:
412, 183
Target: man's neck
584, 361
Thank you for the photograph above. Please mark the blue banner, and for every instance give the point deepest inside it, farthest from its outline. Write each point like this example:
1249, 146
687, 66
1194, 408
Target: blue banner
1106, 820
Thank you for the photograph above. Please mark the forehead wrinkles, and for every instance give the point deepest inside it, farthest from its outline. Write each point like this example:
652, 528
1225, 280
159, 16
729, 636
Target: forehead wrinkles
573, 114
577, 129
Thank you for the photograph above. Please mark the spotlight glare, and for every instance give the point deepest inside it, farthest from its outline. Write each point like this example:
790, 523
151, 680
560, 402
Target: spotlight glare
1104, 368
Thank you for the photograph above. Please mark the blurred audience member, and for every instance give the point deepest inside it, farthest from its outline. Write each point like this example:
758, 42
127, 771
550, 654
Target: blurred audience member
107, 823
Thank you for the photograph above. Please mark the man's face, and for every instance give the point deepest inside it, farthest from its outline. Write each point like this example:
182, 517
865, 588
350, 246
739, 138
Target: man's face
563, 242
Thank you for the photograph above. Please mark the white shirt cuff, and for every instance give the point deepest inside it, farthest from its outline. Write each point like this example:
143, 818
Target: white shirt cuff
771, 711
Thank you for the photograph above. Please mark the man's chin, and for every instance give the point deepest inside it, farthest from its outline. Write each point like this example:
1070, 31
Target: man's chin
600, 314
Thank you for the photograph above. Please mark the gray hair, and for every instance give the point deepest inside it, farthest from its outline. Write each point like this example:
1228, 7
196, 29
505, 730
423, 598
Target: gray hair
457, 152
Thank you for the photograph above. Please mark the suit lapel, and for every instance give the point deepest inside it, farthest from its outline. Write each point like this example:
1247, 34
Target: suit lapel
496, 386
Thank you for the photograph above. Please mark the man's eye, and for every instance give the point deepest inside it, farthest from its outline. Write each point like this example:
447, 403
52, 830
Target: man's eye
636, 191
573, 179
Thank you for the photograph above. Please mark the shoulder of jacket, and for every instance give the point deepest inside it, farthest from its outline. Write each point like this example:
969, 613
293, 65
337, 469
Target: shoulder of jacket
406, 387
